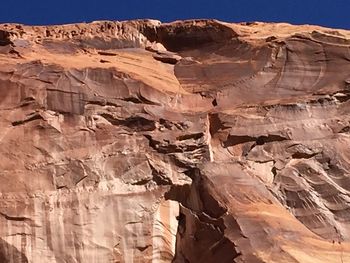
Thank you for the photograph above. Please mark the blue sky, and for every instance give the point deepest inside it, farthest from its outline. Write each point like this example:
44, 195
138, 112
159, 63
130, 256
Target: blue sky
331, 13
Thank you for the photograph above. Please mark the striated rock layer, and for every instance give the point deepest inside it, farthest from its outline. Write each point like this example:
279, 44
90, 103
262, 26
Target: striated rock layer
193, 141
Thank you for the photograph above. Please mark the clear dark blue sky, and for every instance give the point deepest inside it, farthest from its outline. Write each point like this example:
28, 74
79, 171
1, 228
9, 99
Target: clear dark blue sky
331, 13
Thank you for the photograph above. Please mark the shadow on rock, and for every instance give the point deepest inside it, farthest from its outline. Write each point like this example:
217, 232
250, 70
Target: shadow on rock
10, 254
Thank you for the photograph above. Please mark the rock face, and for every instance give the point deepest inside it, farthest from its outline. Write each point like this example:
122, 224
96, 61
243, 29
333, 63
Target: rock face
193, 141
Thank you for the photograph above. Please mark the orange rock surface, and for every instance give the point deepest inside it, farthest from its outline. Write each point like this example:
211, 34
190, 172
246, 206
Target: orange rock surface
192, 141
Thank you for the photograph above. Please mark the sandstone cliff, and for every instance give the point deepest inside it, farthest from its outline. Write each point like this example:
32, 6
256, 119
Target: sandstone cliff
193, 141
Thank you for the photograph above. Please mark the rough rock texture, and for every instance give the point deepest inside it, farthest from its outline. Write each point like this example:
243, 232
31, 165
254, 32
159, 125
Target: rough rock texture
194, 141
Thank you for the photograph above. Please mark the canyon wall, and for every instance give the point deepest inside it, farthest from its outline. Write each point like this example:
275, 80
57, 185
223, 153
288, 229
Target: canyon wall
191, 141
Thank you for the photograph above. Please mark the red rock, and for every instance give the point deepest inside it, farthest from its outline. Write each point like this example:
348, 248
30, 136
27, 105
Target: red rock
196, 141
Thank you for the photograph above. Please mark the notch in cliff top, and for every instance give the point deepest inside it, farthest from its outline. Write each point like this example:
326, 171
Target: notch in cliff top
5, 38
184, 35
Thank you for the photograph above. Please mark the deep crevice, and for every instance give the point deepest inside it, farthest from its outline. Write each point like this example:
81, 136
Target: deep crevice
233, 140
345, 130
32, 118
194, 136
15, 218
136, 123
302, 155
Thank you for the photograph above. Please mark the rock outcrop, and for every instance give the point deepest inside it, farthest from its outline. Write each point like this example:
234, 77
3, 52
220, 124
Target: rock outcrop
192, 141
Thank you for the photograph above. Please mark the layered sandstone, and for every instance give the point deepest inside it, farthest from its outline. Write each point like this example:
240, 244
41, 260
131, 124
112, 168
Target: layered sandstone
193, 141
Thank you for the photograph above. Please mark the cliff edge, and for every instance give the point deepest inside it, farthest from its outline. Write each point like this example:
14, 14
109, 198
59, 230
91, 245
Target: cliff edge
191, 141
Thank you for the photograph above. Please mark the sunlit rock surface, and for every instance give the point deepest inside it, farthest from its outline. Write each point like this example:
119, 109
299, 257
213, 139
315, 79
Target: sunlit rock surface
194, 141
